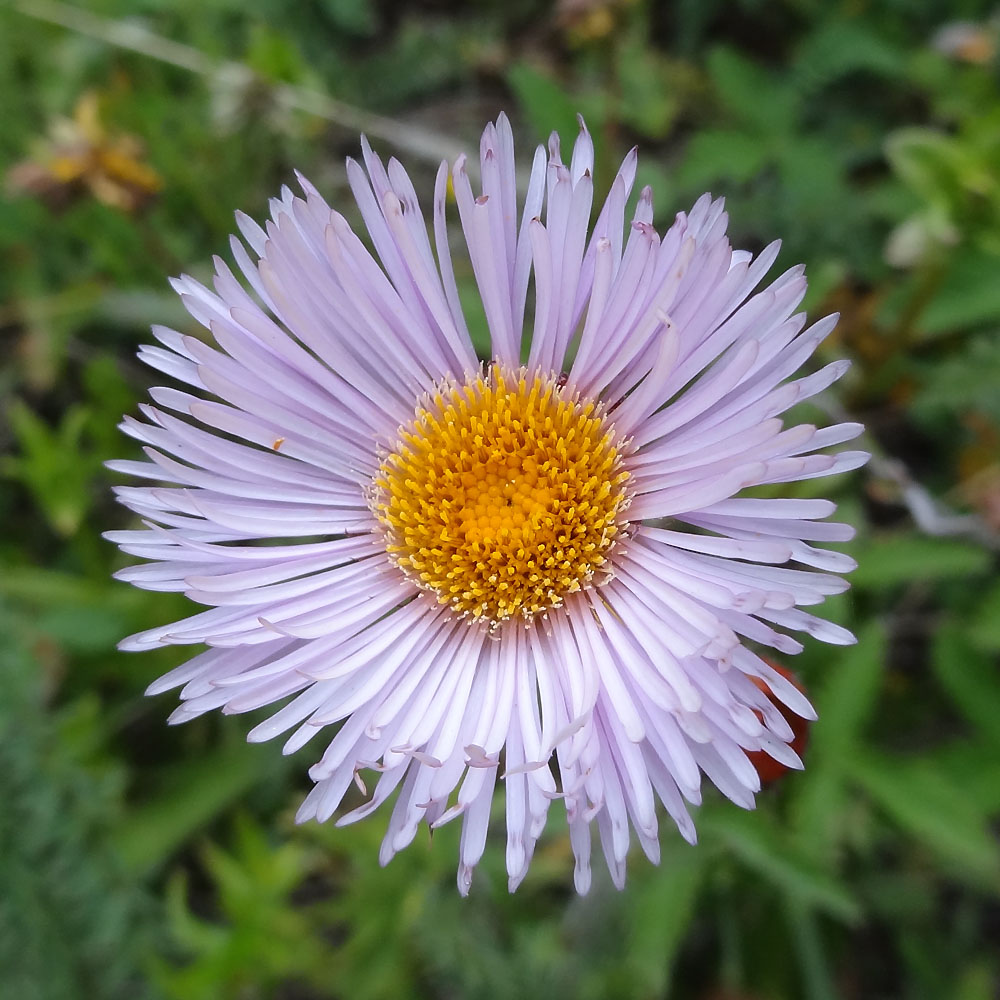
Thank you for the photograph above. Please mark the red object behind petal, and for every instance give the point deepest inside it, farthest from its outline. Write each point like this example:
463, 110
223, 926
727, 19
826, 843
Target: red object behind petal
767, 767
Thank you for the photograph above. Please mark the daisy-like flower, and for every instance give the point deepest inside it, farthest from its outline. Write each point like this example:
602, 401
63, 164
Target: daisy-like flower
533, 569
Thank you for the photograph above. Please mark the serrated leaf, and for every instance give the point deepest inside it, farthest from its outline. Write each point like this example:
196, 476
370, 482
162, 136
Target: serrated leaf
722, 155
968, 295
54, 464
838, 48
754, 96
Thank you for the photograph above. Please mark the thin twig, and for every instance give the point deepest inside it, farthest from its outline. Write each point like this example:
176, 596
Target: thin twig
931, 515
431, 146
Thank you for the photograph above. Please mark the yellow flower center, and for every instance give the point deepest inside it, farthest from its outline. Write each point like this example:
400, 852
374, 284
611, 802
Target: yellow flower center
503, 494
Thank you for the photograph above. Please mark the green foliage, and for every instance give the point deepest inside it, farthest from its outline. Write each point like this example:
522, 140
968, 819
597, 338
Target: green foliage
547, 106
72, 925
894, 560
52, 466
144, 861
264, 942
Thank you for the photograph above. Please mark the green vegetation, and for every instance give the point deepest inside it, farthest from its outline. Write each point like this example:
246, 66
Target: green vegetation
142, 861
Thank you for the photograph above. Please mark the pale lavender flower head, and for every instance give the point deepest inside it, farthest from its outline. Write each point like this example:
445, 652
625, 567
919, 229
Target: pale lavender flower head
535, 570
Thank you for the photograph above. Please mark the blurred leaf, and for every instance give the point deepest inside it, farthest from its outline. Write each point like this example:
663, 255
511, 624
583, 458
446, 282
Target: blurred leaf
663, 905
194, 792
963, 383
811, 164
546, 104
73, 925
804, 931
355, 16
751, 94
845, 702
649, 102
968, 296
848, 698
54, 465
970, 678
274, 56
838, 48
109, 397
978, 981
39, 585
722, 155
934, 811
763, 848
984, 631
927, 160
974, 765
892, 560
264, 941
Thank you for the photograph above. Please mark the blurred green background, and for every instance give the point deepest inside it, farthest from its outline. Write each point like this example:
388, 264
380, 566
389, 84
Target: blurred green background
138, 860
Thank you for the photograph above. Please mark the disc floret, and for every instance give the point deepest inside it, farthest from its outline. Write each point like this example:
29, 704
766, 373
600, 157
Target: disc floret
504, 494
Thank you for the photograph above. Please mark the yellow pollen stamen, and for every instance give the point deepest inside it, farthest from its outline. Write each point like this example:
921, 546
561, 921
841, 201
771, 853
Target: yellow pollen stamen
503, 494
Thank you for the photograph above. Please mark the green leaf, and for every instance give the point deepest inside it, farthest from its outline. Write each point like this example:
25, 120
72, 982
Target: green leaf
984, 629
54, 465
844, 702
970, 679
760, 101
765, 849
660, 914
962, 383
355, 16
648, 102
839, 48
927, 160
197, 791
546, 104
892, 560
974, 765
934, 811
968, 296
716, 155
807, 940
73, 922
848, 698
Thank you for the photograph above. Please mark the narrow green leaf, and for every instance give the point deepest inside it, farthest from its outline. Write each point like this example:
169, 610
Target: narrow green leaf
198, 791
662, 906
765, 849
984, 631
844, 703
970, 679
808, 943
890, 560
933, 810
847, 699
545, 102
